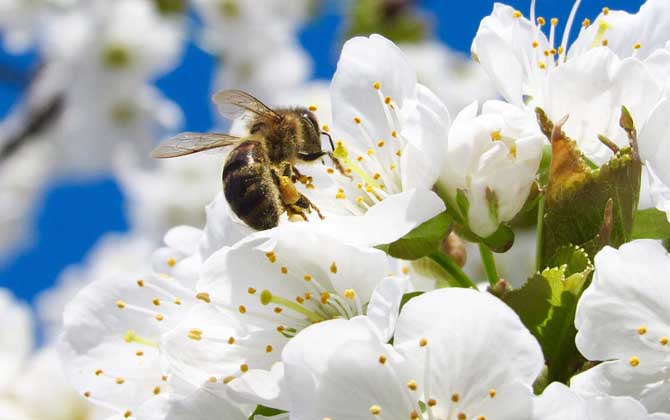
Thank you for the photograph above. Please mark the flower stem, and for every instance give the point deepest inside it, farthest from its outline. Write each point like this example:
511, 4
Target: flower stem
458, 276
489, 264
540, 224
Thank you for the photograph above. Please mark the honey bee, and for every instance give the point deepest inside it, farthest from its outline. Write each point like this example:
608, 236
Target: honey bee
259, 174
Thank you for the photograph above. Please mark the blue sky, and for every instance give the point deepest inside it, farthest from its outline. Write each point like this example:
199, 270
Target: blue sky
73, 215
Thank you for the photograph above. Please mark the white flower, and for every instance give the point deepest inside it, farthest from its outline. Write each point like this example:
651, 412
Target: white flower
622, 320
112, 255
654, 141
263, 291
389, 132
16, 337
558, 402
456, 353
110, 345
493, 158
594, 80
455, 79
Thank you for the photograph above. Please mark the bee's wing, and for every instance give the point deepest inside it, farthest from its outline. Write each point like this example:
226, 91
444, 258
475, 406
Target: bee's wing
188, 143
233, 103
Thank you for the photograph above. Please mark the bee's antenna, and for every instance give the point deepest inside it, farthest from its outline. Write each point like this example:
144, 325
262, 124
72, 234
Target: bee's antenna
330, 139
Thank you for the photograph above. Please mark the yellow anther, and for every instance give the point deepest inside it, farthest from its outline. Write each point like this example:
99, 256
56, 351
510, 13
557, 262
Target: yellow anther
268, 349
455, 398
159, 317
380, 143
375, 410
371, 152
251, 290
307, 278
495, 135
642, 330
171, 262
535, 44
271, 256
98, 372
284, 269
195, 334
604, 42
228, 379
560, 50
606, 11
156, 301
244, 367
139, 353
157, 390
432, 402
387, 100
312, 108
546, 53
541, 21
330, 170
127, 414
382, 359
325, 127
163, 378
119, 380
554, 21
359, 158
357, 120
242, 309
277, 310
412, 385
203, 296
300, 299
405, 270
423, 342
177, 301
481, 418
212, 379
664, 341
308, 296
140, 283
461, 416
340, 195
377, 85
492, 392
634, 361
413, 415
350, 294
517, 14
120, 304
552, 51
280, 328
87, 394
542, 65
394, 134
333, 267
637, 46
586, 22
231, 340
376, 176
359, 199
392, 167
398, 153
325, 296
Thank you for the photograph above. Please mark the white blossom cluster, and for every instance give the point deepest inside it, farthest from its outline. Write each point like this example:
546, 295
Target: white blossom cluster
317, 320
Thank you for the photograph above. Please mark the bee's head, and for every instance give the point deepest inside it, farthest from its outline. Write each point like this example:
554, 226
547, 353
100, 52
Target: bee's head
311, 142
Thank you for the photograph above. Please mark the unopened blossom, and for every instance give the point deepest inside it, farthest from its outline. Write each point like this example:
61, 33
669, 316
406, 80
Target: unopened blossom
456, 354
558, 402
16, 337
263, 291
492, 156
622, 320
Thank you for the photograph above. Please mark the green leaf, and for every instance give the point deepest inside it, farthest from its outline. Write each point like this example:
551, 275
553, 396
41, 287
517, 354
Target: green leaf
651, 224
422, 240
588, 207
407, 297
397, 21
546, 305
262, 410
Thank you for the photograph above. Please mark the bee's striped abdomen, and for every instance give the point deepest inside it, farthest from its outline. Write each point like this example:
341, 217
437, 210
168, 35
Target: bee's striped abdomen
249, 186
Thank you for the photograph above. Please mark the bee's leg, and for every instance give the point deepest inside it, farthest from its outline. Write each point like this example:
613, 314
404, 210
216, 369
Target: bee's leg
299, 177
304, 203
295, 213
338, 165
289, 194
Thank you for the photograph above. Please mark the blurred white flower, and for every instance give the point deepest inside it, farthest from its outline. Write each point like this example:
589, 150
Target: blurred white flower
492, 157
622, 320
456, 353
174, 192
455, 79
265, 290
112, 255
16, 338
558, 402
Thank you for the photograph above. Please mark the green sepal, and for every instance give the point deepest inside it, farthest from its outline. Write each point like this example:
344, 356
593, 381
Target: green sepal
262, 410
422, 240
651, 224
